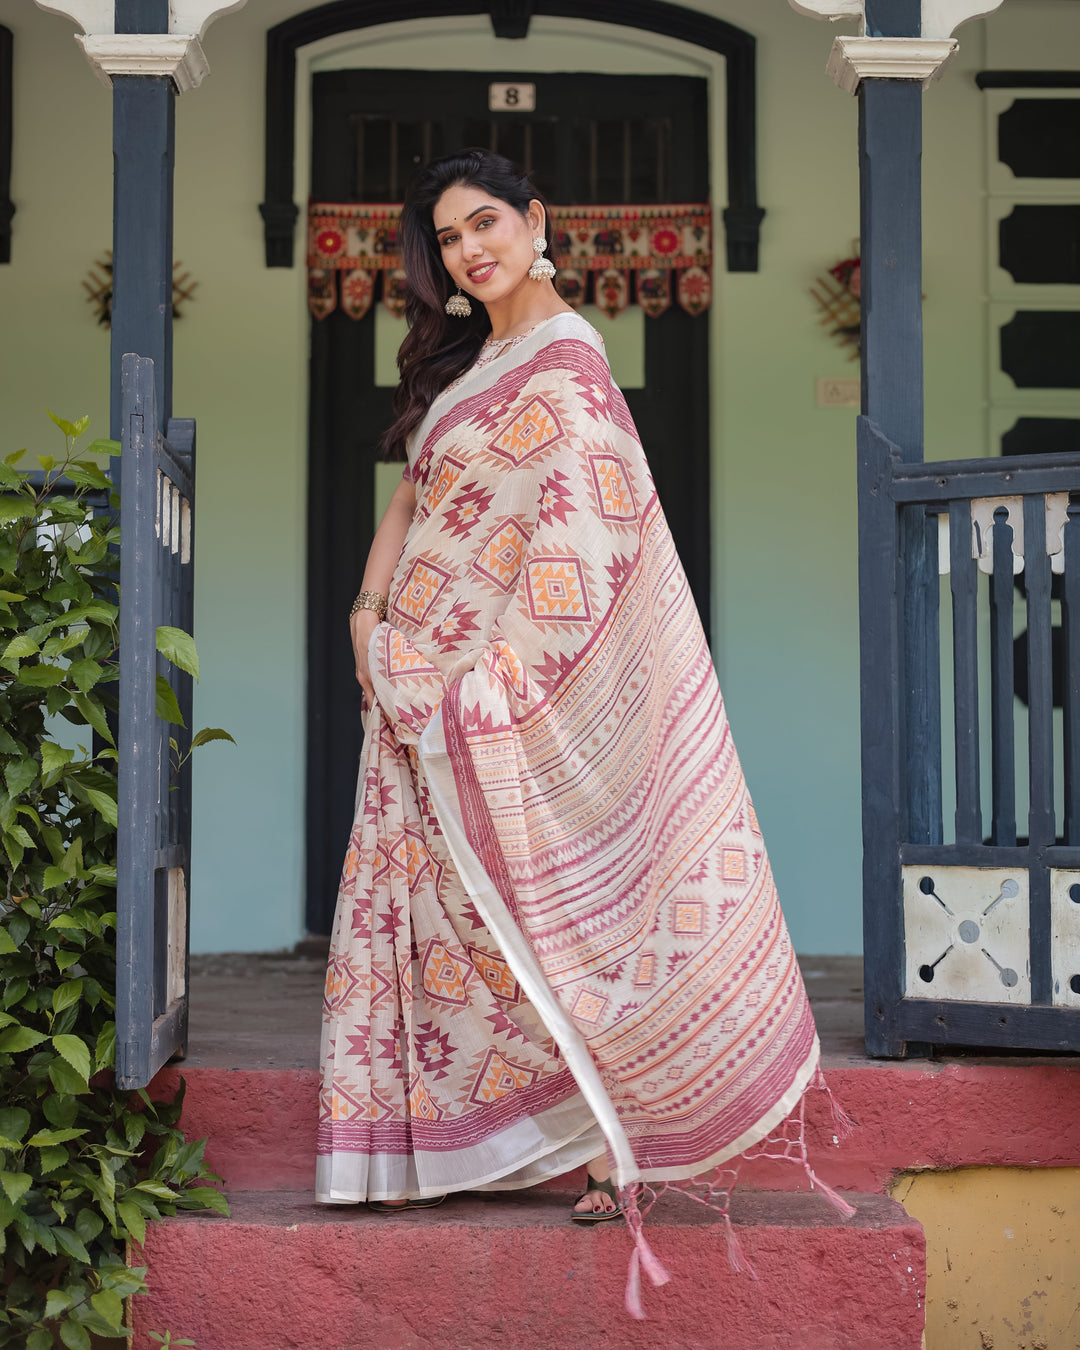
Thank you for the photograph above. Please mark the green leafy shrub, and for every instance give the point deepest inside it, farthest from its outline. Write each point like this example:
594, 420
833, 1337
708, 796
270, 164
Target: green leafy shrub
83, 1166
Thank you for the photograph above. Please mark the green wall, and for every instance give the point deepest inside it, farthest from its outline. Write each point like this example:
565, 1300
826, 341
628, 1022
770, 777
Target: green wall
784, 494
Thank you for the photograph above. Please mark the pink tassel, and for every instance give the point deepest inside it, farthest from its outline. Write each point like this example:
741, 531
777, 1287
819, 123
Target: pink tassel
837, 1201
653, 1266
843, 1125
633, 1288
737, 1258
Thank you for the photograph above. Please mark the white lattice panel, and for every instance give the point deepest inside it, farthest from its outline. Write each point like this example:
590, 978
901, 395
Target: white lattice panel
1065, 937
966, 934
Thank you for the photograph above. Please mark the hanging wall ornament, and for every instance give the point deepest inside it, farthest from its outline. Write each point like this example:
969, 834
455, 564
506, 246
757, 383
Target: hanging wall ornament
357, 290
570, 283
695, 290
654, 290
612, 291
322, 291
393, 291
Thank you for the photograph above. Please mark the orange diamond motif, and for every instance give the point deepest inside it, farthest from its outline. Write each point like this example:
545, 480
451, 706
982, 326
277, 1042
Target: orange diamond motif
495, 973
556, 588
500, 557
449, 472
409, 855
421, 1105
528, 432
422, 587
588, 1006
688, 917
734, 864
613, 491
444, 975
497, 1077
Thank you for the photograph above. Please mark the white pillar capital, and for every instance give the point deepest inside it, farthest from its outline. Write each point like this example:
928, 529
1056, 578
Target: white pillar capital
178, 56
940, 18
854, 59
185, 16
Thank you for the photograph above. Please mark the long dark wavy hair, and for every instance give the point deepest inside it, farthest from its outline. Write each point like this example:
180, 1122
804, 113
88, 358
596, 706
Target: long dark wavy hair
438, 348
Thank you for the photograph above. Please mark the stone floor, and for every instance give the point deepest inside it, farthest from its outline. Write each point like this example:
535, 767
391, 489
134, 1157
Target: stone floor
255, 1011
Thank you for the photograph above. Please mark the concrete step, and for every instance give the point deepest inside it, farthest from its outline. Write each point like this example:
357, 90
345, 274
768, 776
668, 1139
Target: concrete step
511, 1272
914, 1114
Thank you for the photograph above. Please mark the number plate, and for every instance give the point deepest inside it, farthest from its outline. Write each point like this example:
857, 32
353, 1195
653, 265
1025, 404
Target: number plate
512, 97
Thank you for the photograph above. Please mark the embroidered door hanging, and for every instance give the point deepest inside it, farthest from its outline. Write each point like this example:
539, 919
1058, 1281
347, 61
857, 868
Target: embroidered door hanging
606, 254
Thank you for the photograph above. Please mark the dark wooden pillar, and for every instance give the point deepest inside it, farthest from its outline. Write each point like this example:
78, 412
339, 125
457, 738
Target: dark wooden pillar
143, 141
890, 163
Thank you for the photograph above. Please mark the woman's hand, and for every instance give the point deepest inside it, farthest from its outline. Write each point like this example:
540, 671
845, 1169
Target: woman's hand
361, 625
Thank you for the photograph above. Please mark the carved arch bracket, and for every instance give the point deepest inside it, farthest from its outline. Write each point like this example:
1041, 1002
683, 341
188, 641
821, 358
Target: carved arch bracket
511, 19
185, 16
940, 18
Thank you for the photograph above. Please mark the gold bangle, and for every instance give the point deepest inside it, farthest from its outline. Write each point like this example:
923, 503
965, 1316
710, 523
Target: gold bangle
370, 600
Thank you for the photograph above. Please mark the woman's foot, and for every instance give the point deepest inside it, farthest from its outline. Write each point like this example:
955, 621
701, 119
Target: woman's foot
600, 1200
393, 1206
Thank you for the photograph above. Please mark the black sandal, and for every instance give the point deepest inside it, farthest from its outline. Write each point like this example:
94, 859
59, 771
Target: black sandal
425, 1202
598, 1216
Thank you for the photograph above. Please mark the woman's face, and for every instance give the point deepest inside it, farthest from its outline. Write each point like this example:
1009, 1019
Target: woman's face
486, 244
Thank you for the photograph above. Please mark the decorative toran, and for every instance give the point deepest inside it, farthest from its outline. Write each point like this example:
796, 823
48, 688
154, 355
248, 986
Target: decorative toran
598, 250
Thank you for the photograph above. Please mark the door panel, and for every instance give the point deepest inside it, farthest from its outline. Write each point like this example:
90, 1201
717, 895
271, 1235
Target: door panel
593, 139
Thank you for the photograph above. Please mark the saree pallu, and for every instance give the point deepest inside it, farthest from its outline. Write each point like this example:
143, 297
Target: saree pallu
557, 927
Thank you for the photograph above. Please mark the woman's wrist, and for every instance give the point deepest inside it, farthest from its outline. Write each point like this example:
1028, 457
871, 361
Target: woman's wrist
370, 600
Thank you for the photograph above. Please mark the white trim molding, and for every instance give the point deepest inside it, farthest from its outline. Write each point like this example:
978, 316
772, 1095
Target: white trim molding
854, 59
828, 9
179, 56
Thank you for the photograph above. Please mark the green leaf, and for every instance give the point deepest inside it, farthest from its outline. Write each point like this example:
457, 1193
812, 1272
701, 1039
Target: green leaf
167, 708
59, 1301
47, 462
15, 1039
66, 1079
54, 876
45, 1137
105, 1053
108, 1306
15, 508
19, 774
82, 424
60, 1111
208, 734
19, 928
86, 673
41, 676
179, 648
52, 1158
65, 426
54, 757
207, 1198
101, 446
92, 709
64, 995
14, 1122
88, 1224
71, 1244
7, 946
156, 1189
75, 1051
15, 1185
40, 1339
21, 645
132, 1218
103, 803
74, 1336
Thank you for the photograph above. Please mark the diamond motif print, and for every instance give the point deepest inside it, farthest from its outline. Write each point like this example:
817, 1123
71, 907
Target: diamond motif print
613, 491
495, 973
689, 917
497, 1077
589, 1006
528, 432
500, 557
444, 975
556, 588
422, 587
449, 472
734, 864
646, 967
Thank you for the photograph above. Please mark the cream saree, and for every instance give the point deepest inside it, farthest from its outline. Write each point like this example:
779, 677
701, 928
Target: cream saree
557, 928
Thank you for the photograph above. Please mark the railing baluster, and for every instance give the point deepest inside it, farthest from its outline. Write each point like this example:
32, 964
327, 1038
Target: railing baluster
1070, 627
1040, 673
1003, 756
922, 675
964, 580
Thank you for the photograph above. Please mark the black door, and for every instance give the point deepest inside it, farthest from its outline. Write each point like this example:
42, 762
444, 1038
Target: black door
592, 139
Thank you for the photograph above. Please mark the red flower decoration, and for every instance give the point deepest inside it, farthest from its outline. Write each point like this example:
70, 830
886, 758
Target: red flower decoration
329, 241
665, 241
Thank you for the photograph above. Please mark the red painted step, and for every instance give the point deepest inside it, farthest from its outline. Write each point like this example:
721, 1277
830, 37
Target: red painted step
511, 1272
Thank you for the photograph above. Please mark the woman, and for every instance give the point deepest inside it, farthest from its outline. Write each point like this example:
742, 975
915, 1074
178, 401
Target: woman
557, 938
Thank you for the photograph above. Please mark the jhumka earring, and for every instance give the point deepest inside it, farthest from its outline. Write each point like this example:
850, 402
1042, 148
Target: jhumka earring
458, 306
543, 268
